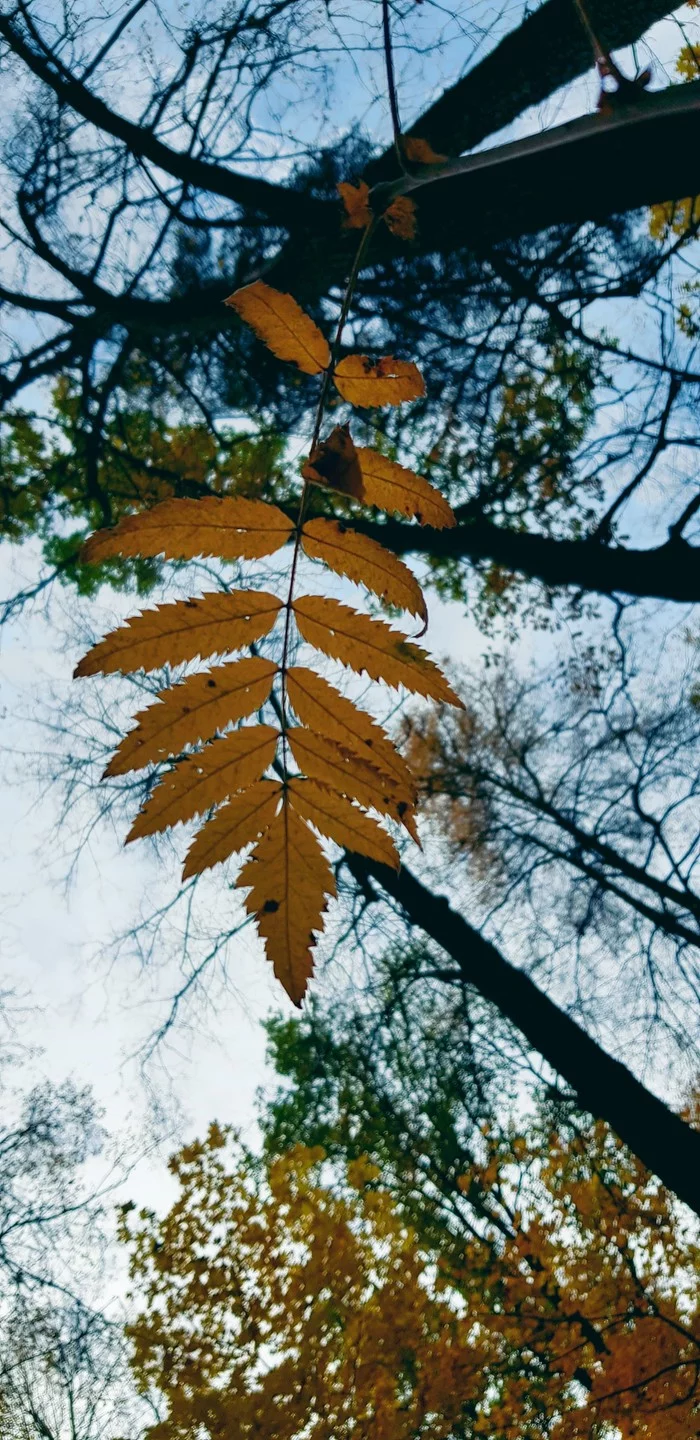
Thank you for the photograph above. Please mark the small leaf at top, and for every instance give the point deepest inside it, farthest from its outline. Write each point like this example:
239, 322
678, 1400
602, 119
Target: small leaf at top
366, 562
393, 488
367, 383
213, 624
334, 462
230, 527
289, 879
287, 330
355, 200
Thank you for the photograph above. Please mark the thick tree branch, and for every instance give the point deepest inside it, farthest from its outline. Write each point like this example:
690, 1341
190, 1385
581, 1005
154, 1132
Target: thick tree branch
669, 572
549, 49
660, 1139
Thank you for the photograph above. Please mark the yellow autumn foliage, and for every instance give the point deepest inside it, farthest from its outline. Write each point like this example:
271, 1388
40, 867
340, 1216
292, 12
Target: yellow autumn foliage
277, 1303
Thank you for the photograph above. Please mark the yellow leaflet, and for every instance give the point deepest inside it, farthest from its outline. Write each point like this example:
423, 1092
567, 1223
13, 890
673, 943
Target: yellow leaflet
193, 711
334, 462
367, 382
366, 562
391, 487
233, 827
289, 878
322, 708
355, 200
370, 647
286, 329
345, 772
200, 781
214, 624
232, 528
339, 820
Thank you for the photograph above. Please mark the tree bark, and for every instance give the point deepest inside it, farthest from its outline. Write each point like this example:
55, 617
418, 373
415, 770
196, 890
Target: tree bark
605, 1087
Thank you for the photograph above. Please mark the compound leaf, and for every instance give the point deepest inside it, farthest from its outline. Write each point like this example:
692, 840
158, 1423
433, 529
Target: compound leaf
212, 624
286, 329
366, 382
199, 781
230, 527
366, 562
289, 879
194, 710
234, 826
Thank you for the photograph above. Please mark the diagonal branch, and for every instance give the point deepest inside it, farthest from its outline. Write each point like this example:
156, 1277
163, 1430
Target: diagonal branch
280, 204
661, 1140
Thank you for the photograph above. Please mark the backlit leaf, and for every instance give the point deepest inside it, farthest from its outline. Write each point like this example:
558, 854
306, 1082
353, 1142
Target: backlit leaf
214, 624
366, 382
420, 152
344, 771
234, 826
289, 879
194, 710
286, 329
393, 488
366, 562
400, 216
355, 198
322, 708
334, 462
370, 647
339, 820
200, 781
230, 527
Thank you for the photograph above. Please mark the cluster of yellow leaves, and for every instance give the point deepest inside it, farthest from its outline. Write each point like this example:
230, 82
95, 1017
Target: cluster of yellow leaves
400, 215
275, 1304
346, 766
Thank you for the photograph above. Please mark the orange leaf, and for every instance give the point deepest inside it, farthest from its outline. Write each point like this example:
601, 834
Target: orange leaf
334, 462
420, 152
286, 329
213, 624
370, 647
400, 216
344, 771
200, 781
193, 711
355, 199
230, 527
366, 382
322, 708
366, 562
289, 879
233, 827
393, 488
339, 820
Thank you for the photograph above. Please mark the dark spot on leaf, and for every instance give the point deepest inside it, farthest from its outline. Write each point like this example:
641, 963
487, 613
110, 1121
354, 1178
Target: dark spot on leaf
270, 906
211, 684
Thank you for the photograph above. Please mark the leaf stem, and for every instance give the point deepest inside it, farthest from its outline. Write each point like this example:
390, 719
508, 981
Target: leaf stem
320, 410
